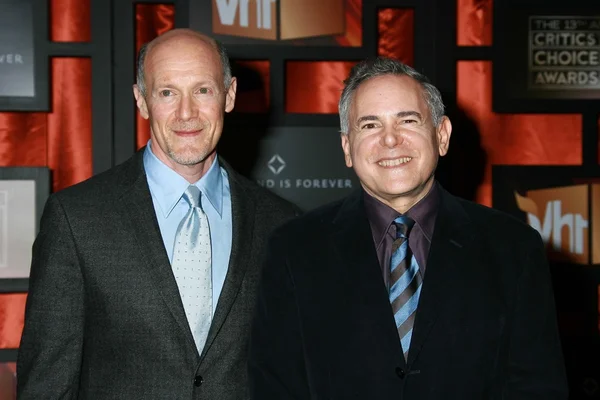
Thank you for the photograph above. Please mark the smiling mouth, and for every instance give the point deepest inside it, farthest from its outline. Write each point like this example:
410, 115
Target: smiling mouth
188, 133
394, 162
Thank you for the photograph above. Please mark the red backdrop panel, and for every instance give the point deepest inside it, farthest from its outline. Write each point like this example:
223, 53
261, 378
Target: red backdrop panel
314, 87
396, 31
474, 22
70, 20
12, 308
353, 36
520, 139
70, 122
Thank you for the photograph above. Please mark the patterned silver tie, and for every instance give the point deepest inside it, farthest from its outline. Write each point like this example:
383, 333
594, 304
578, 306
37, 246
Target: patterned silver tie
192, 267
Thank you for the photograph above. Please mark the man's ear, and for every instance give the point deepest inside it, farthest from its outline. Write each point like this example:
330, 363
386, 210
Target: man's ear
346, 149
140, 101
444, 130
230, 96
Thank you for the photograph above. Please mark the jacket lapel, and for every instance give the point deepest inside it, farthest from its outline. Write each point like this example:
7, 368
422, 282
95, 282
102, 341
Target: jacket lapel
137, 207
352, 240
448, 252
242, 213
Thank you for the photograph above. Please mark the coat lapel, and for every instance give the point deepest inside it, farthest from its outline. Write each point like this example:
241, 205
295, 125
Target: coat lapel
243, 205
448, 253
353, 242
137, 208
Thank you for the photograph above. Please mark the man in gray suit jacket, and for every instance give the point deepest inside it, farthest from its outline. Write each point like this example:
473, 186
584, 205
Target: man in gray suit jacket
109, 314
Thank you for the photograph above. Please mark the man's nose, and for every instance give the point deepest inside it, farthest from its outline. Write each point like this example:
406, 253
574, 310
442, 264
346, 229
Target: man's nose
186, 108
391, 137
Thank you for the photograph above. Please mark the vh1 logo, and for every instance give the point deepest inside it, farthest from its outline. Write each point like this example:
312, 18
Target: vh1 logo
567, 218
292, 19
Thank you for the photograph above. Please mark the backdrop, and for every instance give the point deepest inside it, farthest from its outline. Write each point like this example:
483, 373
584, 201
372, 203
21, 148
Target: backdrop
62, 138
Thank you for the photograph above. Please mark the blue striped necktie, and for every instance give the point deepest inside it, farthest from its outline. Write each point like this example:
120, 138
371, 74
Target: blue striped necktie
405, 283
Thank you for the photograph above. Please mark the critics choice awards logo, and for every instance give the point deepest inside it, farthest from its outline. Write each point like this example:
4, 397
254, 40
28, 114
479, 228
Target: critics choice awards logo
564, 52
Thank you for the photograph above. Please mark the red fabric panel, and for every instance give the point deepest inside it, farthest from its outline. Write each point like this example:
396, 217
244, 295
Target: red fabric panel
23, 139
70, 122
474, 22
253, 88
519, 139
397, 34
12, 311
152, 20
8, 381
70, 20
353, 36
314, 87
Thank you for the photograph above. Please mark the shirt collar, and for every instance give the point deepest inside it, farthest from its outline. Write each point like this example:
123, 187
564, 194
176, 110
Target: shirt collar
381, 216
168, 186
425, 211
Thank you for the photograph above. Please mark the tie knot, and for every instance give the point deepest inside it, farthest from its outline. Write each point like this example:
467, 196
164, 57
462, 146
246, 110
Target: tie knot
403, 226
192, 196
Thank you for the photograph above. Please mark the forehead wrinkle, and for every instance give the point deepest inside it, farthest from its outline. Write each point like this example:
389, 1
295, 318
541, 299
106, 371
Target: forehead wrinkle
187, 79
179, 77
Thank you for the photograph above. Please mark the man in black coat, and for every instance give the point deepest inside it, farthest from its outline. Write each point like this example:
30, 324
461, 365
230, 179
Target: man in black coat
401, 290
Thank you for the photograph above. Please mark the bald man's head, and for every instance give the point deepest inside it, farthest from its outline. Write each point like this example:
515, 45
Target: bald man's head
173, 37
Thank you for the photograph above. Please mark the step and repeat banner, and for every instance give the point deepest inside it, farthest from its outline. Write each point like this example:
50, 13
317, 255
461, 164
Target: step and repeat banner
546, 59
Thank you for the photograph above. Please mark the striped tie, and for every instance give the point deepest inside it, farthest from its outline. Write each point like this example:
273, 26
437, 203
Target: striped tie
405, 283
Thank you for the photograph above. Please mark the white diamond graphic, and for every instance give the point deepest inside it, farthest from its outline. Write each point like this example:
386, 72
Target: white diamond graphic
276, 164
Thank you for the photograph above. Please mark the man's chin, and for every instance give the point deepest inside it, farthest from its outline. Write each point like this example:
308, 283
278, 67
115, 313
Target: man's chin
187, 158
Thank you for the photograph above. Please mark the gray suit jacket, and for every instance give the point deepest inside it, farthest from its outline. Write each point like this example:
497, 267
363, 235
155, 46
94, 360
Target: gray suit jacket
104, 319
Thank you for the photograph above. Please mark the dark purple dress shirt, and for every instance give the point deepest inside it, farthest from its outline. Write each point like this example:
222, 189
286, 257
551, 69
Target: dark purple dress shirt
381, 218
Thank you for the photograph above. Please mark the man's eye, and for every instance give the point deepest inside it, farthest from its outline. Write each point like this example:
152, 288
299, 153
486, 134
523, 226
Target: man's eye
165, 93
204, 90
368, 126
409, 121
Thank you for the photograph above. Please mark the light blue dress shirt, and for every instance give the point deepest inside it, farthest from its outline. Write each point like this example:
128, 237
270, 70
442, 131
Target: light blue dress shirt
167, 187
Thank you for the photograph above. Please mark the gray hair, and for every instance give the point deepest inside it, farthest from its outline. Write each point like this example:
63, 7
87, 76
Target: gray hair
140, 79
379, 66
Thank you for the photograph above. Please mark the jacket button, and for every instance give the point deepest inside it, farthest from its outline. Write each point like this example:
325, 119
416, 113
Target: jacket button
400, 372
198, 380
